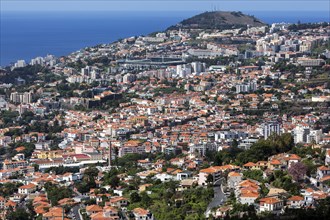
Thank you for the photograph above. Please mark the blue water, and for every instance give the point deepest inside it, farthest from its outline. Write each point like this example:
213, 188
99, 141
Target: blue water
26, 35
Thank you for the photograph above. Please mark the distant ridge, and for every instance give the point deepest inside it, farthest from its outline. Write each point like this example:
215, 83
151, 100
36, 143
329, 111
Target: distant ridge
219, 20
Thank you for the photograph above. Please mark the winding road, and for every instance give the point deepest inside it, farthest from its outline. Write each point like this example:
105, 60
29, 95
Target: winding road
218, 199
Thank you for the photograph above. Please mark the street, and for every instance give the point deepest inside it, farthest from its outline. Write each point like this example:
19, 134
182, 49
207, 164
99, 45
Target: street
218, 199
75, 211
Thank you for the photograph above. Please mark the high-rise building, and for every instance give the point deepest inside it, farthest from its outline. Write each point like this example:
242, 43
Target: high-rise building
270, 128
128, 78
183, 70
197, 67
19, 64
303, 134
246, 87
25, 97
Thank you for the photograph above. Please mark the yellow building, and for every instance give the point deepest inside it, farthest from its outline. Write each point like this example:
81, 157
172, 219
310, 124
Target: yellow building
50, 154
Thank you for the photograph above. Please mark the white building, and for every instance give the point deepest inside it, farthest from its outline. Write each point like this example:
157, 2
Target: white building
271, 205
27, 189
197, 67
233, 179
128, 78
303, 134
3, 104
20, 63
25, 97
183, 70
271, 128
246, 87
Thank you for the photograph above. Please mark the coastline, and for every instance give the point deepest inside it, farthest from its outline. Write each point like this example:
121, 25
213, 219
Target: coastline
80, 32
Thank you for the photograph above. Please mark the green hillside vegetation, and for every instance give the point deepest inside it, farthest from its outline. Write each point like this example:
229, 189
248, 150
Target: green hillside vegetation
219, 20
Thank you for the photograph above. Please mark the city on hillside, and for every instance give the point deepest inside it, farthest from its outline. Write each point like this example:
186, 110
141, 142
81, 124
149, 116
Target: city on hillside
220, 116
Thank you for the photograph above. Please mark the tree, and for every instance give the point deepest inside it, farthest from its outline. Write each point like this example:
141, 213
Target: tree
88, 180
56, 193
297, 170
19, 214
36, 167
114, 181
8, 189
209, 179
310, 165
145, 200
91, 173
135, 197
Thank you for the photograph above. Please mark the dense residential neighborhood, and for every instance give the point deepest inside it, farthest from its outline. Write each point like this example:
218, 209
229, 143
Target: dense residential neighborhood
188, 123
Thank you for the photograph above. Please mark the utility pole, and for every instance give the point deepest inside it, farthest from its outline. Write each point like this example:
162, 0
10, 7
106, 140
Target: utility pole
110, 146
62, 213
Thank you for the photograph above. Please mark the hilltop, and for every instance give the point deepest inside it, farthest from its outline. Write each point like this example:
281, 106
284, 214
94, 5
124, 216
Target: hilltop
219, 20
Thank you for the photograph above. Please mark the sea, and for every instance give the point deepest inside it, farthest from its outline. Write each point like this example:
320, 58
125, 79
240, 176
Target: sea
26, 35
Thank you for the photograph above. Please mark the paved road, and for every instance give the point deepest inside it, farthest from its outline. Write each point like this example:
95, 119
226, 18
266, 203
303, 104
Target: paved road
76, 213
218, 199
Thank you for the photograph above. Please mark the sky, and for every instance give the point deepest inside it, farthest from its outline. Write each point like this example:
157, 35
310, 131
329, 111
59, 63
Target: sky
164, 5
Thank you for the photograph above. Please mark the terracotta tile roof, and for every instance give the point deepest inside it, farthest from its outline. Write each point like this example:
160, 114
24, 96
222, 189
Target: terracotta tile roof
29, 186
40, 209
140, 211
295, 198
117, 199
269, 201
323, 168
249, 164
275, 162
10, 203
93, 208
54, 212
234, 174
210, 170
250, 195
326, 178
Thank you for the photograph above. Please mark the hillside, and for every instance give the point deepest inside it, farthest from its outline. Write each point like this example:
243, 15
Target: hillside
219, 20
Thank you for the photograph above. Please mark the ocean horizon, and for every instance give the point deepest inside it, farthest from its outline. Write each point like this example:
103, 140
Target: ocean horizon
26, 35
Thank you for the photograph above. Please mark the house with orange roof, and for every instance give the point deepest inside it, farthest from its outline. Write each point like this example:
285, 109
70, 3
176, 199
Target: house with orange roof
131, 147
54, 213
108, 213
41, 210
142, 214
222, 211
323, 181
9, 204
214, 171
308, 195
250, 166
248, 197
247, 191
159, 163
118, 201
27, 189
274, 164
66, 201
270, 205
261, 165
286, 159
295, 202
146, 163
103, 216
92, 209
322, 171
